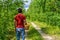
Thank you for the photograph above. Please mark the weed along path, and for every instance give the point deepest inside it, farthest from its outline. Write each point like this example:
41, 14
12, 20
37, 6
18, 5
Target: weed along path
45, 36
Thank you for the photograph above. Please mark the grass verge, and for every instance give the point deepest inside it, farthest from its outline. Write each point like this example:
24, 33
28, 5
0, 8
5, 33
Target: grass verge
48, 29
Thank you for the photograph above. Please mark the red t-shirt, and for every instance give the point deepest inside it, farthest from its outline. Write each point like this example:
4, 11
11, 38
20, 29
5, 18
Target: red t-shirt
19, 19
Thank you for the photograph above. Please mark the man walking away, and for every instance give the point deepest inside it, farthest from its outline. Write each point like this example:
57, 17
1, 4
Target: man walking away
19, 21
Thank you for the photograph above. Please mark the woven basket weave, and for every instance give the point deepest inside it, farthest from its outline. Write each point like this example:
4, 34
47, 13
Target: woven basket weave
27, 26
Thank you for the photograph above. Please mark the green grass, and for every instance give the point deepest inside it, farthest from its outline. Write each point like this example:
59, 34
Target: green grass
48, 29
11, 35
33, 34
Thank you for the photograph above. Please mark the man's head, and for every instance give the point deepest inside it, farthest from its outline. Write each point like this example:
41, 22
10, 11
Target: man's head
19, 10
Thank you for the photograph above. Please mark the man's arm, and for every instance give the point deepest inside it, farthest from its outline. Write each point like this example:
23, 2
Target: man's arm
15, 24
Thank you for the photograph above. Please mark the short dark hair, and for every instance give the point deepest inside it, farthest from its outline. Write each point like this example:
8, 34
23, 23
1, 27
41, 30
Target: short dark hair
19, 10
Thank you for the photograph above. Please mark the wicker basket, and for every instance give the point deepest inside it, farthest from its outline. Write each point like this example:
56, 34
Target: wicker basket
27, 26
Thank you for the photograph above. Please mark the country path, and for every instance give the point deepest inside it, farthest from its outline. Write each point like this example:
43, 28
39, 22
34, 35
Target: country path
45, 36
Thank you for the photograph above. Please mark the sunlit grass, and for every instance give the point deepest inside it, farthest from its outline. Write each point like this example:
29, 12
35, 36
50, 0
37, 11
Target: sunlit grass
48, 29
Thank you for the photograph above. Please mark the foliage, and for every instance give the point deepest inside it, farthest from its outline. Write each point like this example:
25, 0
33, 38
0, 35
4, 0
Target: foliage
49, 13
45, 11
8, 9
